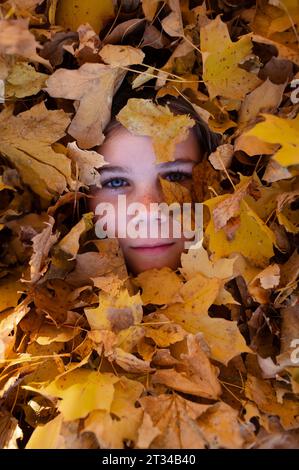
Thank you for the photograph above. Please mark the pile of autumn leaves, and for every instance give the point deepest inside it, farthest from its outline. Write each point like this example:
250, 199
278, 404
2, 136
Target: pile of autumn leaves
202, 357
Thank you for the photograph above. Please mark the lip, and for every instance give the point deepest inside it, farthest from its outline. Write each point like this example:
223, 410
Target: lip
151, 249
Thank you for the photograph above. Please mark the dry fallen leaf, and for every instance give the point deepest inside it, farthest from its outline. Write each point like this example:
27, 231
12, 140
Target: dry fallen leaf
89, 85
221, 59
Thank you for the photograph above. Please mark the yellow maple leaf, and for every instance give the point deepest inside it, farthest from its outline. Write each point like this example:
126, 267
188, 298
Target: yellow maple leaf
222, 336
252, 238
221, 57
197, 260
143, 117
81, 391
46, 437
285, 132
112, 431
70, 243
159, 286
161, 330
115, 313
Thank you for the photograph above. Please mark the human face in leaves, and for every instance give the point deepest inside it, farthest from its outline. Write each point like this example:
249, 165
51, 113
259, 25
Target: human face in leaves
133, 171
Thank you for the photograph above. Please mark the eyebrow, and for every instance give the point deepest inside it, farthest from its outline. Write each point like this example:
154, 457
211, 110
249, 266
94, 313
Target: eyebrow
124, 169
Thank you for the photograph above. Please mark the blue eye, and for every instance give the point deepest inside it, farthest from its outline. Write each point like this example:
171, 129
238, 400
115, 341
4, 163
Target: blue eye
114, 183
177, 176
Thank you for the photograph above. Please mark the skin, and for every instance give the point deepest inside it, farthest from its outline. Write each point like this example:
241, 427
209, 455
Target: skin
138, 179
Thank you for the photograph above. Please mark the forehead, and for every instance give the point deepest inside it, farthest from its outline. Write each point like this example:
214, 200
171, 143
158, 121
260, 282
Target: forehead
121, 146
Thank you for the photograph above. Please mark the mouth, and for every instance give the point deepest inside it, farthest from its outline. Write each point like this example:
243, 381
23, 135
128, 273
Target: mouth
152, 249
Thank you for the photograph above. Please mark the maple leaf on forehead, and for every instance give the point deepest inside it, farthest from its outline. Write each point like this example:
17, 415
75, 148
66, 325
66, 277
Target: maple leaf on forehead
221, 57
143, 117
26, 141
93, 85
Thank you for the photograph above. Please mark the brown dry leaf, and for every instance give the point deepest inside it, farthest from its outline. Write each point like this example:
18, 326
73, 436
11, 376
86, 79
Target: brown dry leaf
92, 264
92, 86
222, 428
87, 162
230, 206
10, 431
53, 298
109, 283
70, 243
253, 146
149, 8
286, 49
112, 432
265, 98
289, 271
194, 375
53, 49
118, 33
12, 317
162, 331
174, 192
26, 140
260, 286
173, 23
275, 172
121, 55
206, 181
87, 48
222, 157
263, 394
129, 362
183, 58
289, 336
169, 422
41, 244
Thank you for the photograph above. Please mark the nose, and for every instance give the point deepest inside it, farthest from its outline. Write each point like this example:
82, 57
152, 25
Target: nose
145, 196
148, 194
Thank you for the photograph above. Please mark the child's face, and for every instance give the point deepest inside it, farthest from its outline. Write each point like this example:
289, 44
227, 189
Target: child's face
137, 177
